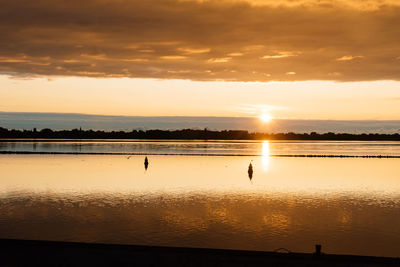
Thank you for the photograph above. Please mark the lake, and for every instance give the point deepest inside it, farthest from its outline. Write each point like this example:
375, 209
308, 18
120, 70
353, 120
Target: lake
218, 148
199, 194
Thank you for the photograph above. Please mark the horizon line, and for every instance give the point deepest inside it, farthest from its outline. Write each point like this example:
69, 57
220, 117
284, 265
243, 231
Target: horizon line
184, 116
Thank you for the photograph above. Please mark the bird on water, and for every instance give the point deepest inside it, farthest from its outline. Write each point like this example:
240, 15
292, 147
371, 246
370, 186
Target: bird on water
146, 163
250, 171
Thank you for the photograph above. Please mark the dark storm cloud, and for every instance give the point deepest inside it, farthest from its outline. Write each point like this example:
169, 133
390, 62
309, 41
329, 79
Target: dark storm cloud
202, 40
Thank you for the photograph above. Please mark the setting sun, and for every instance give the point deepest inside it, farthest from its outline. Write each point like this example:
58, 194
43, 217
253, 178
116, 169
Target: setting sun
266, 117
236, 130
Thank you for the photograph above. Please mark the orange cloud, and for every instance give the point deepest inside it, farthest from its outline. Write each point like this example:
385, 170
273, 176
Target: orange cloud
245, 40
173, 57
348, 58
279, 55
219, 60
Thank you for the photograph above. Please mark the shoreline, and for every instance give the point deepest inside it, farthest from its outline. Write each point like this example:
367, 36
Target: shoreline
198, 154
194, 134
49, 253
183, 140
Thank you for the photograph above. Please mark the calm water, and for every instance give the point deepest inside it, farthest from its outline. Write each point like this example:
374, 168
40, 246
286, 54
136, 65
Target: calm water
359, 148
349, 205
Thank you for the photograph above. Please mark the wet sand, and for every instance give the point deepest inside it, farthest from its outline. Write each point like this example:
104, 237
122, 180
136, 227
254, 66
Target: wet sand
49, 253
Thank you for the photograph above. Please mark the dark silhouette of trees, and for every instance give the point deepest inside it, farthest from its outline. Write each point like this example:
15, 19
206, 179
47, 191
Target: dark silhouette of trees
205, 134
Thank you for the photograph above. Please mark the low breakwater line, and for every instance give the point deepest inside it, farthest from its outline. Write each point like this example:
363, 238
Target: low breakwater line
199, 154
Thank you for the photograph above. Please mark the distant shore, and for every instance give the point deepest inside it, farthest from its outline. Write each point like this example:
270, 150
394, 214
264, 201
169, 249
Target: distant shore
196, 154
50, 253
187, 134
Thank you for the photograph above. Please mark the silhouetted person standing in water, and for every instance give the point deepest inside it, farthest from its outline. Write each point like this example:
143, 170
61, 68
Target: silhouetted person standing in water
146, 163
250, 171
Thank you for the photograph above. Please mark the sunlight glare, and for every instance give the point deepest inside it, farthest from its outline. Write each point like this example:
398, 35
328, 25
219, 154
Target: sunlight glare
265, 155
266, 117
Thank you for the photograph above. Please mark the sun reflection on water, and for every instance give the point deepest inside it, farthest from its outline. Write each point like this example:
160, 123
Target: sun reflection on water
265, 155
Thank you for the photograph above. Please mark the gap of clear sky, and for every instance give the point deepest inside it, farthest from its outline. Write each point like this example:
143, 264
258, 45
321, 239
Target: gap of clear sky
303, 59
149, 97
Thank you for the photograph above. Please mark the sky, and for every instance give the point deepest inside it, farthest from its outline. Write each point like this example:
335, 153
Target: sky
291, 59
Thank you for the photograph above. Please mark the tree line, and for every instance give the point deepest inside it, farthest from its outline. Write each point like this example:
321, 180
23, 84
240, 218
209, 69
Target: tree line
190, 134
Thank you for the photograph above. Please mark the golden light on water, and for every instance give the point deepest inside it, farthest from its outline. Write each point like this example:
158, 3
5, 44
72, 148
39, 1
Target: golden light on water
265, 155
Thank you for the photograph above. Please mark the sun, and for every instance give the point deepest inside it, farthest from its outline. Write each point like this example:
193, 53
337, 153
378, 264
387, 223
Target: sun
266, 117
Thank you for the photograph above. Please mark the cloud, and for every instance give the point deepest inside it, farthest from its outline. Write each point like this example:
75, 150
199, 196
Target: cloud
238, 54
366, 5
257, 109
279, 55
348, 58
210, 40
173, 57
12, 60
146, 50
188, 50
219, 60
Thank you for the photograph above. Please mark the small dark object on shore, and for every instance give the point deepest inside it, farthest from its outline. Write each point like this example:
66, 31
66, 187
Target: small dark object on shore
317, 250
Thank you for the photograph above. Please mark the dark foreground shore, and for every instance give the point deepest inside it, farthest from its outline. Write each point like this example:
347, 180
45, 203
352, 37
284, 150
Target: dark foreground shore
48, 253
